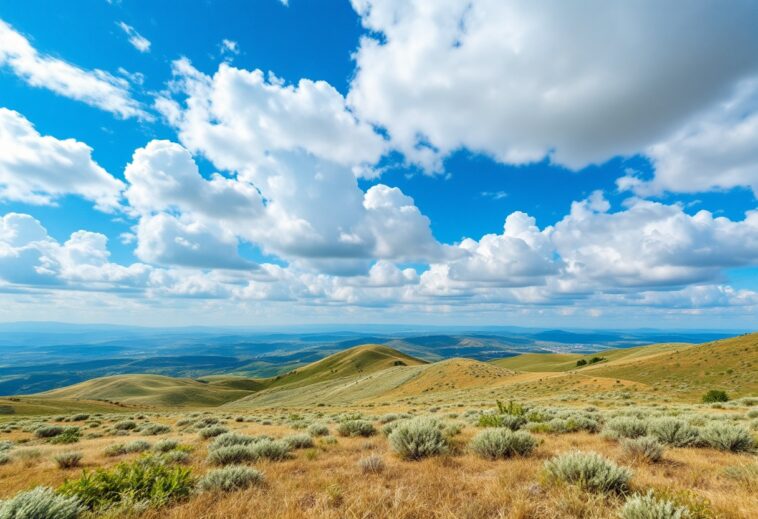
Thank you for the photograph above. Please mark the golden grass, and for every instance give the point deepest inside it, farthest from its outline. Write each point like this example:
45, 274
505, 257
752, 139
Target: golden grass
326, 482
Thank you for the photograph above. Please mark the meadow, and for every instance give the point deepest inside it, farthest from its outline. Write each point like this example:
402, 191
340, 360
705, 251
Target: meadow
665, 431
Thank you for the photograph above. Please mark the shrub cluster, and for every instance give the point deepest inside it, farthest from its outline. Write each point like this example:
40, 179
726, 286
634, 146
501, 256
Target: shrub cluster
418, 438
40, 503
589, 471
356, 428
646, 448
228, 479
502, 443
649, 507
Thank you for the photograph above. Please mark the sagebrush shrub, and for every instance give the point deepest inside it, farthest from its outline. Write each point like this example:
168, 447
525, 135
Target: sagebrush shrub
502, 443
136, 446
646, 448
356, 428
231, 438
230, 478
231, 455
125, 425
155, 429
318, 429
673, 431
299, 441
649, 507
176, 457
274, 450
371, 465
166, 445
68, 460
625, 427
212, 431
418, 438
146, 480
590, 471
49, 431
727, 437
40, 503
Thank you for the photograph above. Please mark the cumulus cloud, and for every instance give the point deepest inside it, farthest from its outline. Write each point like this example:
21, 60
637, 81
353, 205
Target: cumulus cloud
137, 41
94, 87
297, 150
520, 81
716, 151
37, 169
30, 257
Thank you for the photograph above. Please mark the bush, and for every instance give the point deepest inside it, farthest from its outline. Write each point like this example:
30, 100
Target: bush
298, 441
69, 435
49, 431
645, 448
589, 471
502, 443
143, 480
212, 431
512, 422
79, 417
418, 438
165, 445
117, 449
625, 427
228, 479
715, 395
274, 450
581, 362
40, 503
673, 431
155, 429
371, 465
318, 429
136, 446
726, 437
231, 455
68, 460
177, 457
125, 425
356, 428
229, 439
4, 459
649, 507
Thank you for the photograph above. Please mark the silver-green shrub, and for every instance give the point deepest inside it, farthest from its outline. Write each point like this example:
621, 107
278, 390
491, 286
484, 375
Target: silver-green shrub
231, 478
589, 471
649, 507
502, 443
418, 438
40, 503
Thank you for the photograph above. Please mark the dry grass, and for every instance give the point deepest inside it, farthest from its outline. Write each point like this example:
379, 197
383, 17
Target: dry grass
327, 481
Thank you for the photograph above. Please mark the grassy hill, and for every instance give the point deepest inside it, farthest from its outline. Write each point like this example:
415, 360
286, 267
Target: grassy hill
544, 362
151, 390
358, 360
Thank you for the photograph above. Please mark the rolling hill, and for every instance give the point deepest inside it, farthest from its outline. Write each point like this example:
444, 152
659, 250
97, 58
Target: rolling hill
150, 390
376, 374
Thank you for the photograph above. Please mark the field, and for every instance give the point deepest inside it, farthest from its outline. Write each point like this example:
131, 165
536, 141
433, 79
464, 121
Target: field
371, 432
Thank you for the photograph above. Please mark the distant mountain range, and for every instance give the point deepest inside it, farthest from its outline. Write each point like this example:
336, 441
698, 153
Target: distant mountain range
37, 357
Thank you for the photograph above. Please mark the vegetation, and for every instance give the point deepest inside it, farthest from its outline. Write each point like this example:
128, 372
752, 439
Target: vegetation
418, 438
40, 503
231, 478
502, 443
589, 471
715, 395
649, 507
142, 480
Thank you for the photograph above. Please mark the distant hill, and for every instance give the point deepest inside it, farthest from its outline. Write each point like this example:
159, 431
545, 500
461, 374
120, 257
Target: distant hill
379, 375
152, 390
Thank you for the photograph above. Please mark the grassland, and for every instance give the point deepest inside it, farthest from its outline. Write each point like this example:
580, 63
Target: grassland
562, 407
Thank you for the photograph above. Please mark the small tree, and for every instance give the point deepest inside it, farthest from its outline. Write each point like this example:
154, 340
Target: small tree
581, 362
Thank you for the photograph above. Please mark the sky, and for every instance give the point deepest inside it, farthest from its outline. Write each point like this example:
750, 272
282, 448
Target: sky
273, 162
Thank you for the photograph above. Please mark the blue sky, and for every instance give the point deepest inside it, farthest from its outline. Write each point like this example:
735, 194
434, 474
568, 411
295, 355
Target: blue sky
483, 162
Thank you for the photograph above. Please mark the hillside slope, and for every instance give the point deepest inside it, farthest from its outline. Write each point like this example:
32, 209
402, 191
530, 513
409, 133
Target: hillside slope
359, 360
544, 362
729, 364
153, 390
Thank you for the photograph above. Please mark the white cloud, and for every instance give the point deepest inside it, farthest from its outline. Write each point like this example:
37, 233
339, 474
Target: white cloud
716, 151
37, 169
137, 41
29, 257
94, 87
521, 80
301, 149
